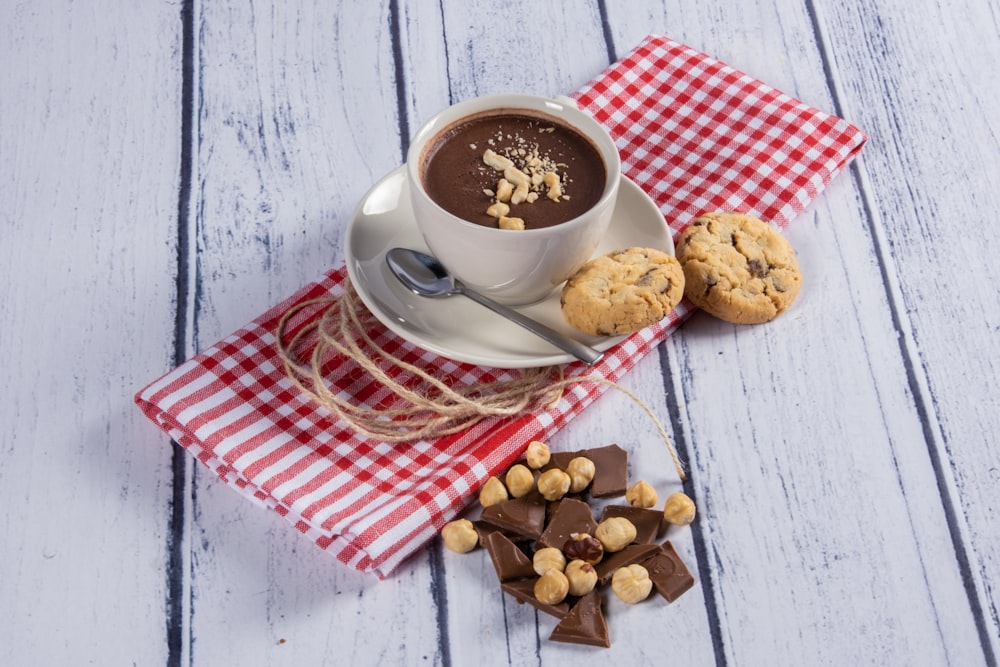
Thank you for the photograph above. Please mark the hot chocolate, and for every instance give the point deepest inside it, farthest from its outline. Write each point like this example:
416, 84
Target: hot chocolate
513, 170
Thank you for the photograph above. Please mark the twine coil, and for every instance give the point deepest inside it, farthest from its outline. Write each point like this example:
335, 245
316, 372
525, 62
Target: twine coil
424, 407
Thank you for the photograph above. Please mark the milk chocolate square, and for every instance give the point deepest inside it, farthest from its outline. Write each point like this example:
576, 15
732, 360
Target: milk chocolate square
669, 574
633, 553
611, 463
571, 516
648, 522
508, 559
522, 516
584, 624
523, 591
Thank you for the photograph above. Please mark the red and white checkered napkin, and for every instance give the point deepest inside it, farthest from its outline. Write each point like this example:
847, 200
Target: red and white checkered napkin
694, 133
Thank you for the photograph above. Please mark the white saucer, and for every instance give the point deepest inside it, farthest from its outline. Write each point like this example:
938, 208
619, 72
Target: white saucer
456, 327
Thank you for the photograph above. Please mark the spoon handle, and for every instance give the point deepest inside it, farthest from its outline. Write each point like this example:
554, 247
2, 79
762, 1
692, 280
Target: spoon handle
582, 352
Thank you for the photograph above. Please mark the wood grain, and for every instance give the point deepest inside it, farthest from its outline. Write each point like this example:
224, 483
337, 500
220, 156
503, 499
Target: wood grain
89, 220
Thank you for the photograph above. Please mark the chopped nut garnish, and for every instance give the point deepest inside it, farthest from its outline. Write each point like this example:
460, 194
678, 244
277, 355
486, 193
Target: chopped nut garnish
504, 189
497, 161
498, 210
512, 223
520, 193
551, 180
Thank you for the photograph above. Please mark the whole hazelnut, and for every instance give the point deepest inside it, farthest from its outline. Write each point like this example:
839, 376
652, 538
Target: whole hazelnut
582, 577
615, 533
553, 484
552, 587
548, 558
679, 509
460, 536
537, 454
493, 492
519, 480
585, 547
631, 583
641, 494
581, 471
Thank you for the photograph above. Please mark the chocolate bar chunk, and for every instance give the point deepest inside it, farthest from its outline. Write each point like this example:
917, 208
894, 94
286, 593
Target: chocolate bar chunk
521, 516
648, 522
611, 462
571, 516
524, 591
669, 574
633, 553
508, 559
584, 624
612, 471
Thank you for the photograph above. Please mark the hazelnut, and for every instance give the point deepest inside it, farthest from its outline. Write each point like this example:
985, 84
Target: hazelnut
552, 587
615, 533
460, 536
553, 484
582, 577
631, 583
519, 480
537, 454
493, 492
641, 494
581, 471
582, 546
679, 509
548, 558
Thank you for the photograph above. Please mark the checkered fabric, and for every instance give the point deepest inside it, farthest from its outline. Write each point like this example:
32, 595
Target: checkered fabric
694, 133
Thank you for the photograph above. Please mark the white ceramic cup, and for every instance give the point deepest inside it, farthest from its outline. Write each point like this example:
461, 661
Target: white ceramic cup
510, 266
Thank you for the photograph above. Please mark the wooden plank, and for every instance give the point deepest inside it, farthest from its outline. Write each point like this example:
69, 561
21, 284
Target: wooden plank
299, 118
87, 262
763, 437
936, 130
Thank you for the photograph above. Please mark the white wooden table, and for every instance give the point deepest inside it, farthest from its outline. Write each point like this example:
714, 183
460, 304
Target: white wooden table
170, 169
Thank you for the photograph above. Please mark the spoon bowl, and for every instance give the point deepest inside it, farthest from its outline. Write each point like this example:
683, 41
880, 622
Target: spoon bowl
424, 275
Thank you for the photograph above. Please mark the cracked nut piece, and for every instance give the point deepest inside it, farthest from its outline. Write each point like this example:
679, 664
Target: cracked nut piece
460, 536
519, 480
493, 492
582, 577
516, 224
581, 546
641, 494
553, 484
679, 509
552, 587
615, 533
537, 454
548, 558
631, 583
581, 471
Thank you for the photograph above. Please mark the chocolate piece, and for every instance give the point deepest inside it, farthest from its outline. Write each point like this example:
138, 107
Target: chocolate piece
484, 530
584, 624
508, 559
669, 574
524, 591
647, 522
522, 516
572, 516
611, 463
633, 553
612, 471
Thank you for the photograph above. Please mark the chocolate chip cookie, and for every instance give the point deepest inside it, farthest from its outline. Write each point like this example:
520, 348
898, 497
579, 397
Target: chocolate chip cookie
622, 291
738, 268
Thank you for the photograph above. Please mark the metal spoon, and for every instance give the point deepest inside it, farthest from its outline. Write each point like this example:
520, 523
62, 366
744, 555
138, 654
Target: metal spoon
426, 276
